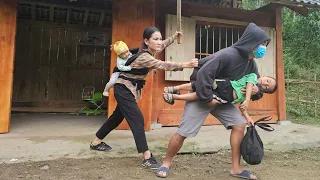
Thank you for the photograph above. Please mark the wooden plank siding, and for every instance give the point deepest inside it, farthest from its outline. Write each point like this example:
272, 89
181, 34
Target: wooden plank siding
52, 65
180, 52
129, 21
170, 115
8, 17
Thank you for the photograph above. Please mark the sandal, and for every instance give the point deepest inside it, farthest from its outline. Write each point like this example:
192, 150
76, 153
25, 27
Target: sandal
169, 98
244, 175
100, 147
171, 90
163, 169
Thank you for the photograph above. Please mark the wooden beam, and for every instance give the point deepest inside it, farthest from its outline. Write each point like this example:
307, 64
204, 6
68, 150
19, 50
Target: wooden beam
272, 6
189, 9
102, 15
51, 13
300, 10
222, 21
280, 67
61, 25
68, 16
268, 8
50, 106
64, 6
85, 17
8, 18
33, 11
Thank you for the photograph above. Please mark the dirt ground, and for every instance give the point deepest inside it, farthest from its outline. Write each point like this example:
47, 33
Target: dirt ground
291, 165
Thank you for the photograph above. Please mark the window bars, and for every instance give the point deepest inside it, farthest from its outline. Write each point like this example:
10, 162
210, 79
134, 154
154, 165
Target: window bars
210, 38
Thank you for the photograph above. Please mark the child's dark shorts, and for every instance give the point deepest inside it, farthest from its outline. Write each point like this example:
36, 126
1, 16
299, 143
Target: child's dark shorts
222, 90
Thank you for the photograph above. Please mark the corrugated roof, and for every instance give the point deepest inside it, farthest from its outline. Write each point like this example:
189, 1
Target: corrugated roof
312, 2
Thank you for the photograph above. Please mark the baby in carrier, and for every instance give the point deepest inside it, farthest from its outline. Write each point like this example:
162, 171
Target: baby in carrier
123, 52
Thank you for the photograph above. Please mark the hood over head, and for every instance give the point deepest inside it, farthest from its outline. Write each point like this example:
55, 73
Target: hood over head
250, 39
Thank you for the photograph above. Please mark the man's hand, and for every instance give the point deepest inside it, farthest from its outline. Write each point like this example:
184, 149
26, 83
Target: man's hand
255, 90
244, 105
213, 102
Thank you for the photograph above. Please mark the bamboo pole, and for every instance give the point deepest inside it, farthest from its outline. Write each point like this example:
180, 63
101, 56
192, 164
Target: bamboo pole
315, 96
179, 26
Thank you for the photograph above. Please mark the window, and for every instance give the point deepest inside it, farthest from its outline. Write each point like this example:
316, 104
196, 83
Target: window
202, 38
212, 38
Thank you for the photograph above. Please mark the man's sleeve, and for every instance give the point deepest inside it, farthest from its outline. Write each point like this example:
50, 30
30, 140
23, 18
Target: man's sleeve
259, 95
205, 77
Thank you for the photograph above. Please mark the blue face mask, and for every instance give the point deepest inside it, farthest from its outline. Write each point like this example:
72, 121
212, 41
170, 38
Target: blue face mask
260, 52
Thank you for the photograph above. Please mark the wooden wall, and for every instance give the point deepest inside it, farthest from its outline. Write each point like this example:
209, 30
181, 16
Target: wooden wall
54, 63
8, 16
129, 21
170, 115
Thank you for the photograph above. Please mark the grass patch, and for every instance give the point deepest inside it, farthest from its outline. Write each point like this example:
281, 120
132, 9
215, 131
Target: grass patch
305, 120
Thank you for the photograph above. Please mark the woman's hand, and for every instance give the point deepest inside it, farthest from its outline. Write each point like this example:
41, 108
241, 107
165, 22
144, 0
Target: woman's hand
191, 64
178, 33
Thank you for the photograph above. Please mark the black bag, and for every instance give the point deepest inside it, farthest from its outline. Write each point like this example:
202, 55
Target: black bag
251, 147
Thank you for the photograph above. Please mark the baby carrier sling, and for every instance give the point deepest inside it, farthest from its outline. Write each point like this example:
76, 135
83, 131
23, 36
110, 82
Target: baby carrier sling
144, 71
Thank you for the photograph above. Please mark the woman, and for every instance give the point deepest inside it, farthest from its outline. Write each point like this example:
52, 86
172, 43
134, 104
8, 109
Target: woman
128, 89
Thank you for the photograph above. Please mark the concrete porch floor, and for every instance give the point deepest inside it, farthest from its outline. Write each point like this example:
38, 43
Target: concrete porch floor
35, 137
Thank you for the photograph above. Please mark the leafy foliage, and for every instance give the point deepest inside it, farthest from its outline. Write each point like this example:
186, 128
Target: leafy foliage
301, 51
301, 43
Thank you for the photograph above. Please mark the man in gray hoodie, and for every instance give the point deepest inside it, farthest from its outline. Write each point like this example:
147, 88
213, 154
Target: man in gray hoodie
230, 63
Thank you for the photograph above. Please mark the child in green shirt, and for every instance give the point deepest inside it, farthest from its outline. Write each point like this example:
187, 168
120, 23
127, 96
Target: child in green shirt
225, 91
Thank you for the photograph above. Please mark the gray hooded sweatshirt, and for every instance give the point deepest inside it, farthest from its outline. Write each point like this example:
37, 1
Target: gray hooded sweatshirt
229, 63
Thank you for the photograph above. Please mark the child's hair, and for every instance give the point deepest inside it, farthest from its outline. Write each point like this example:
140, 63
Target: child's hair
268, 91
259, 94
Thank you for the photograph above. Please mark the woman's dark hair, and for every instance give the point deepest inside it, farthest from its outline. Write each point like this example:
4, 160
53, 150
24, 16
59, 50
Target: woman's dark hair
147, 33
